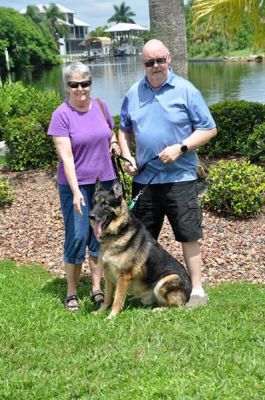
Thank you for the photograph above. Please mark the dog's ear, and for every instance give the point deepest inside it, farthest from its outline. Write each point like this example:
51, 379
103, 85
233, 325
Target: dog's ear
98, 186
117, 189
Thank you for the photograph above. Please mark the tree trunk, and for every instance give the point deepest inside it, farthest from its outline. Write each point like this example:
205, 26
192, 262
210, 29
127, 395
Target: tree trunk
167, 23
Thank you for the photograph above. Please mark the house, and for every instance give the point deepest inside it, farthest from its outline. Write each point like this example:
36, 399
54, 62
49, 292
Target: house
127, 39
78, 30
97, 47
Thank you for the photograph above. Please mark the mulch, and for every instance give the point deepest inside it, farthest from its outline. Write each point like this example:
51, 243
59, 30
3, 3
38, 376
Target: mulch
31, 231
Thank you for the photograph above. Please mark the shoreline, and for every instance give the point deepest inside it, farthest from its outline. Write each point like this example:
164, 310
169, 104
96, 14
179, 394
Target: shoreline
250, 58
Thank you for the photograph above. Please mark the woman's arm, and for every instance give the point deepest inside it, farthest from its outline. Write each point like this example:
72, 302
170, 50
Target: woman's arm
114, 145
64, 150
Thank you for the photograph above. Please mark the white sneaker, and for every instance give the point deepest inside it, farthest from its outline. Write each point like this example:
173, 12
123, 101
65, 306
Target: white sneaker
196, 301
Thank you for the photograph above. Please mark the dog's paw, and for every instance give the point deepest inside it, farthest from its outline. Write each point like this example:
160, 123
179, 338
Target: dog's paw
111, 316
159, 309
96, 312
101, 309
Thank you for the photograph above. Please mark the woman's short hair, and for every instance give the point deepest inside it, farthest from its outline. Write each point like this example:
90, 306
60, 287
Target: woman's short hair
75, 68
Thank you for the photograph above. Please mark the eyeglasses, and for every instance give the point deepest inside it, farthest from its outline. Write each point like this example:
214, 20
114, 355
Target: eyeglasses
83, 84
158, 61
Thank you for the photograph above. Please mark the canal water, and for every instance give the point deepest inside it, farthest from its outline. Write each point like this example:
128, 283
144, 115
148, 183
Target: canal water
111, 79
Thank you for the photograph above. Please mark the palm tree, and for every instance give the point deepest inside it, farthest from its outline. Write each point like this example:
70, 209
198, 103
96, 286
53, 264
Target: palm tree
123, 13
167, 23
53, 16
34, 14
232, 12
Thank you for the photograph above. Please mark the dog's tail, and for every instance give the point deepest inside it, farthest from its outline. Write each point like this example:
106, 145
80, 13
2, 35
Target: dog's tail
170, 291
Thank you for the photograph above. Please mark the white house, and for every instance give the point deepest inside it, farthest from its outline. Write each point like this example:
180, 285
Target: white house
78, 30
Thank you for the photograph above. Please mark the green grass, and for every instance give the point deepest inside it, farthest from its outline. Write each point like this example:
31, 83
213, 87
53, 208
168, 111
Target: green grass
243, 53
2, 161
215, 352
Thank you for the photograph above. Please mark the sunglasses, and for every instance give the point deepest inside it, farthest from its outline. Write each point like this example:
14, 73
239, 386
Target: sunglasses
83, 84
158, 61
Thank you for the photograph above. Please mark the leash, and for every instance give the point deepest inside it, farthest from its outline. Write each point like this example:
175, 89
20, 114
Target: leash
141, 192
118, 158
116, 161
115, 156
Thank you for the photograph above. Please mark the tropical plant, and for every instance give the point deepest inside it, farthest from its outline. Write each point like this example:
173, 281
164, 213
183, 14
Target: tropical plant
55, 20
209, 41
231, 13
34, 14
99, 31
27, 43
123, 13
167, 23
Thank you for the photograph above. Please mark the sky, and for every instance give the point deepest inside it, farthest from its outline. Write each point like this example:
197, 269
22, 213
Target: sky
93, 12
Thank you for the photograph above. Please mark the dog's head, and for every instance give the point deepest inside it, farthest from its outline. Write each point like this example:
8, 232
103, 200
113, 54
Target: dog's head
109, 210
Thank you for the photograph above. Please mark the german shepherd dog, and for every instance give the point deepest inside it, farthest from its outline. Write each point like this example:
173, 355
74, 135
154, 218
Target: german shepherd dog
133, 261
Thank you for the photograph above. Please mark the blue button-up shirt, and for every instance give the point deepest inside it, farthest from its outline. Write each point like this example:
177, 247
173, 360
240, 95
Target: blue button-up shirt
163, 117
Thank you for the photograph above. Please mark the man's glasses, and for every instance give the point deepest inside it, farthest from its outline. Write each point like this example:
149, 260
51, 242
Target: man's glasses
158, 61
83, 84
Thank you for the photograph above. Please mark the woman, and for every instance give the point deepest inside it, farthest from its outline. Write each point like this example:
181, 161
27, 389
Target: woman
82, 132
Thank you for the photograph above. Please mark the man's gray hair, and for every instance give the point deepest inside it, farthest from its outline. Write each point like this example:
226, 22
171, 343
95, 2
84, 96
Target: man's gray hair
75, 68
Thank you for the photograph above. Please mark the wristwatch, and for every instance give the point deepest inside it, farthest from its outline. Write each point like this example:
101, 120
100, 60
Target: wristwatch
183, 147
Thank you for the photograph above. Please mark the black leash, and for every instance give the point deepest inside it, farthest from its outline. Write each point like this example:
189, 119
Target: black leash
118, 158
116, 161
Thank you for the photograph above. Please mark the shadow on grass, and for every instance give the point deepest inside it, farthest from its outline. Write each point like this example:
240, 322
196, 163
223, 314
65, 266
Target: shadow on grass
57, 288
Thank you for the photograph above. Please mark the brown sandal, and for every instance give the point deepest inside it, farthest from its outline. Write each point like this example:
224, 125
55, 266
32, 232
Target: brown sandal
71, 303
97, 297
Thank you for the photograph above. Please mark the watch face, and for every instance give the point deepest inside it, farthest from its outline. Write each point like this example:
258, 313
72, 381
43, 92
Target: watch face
184, 148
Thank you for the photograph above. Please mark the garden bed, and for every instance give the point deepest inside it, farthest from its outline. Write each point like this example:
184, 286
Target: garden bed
31, 231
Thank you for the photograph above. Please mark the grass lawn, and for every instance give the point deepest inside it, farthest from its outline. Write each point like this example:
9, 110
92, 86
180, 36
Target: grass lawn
215, 352
2, 161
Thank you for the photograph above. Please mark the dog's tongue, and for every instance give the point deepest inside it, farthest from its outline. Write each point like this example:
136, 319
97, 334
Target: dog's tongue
97, 229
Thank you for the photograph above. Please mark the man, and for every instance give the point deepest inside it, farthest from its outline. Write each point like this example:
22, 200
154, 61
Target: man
168, 119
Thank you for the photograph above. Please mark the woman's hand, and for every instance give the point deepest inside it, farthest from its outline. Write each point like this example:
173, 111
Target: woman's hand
78, 202
115, 149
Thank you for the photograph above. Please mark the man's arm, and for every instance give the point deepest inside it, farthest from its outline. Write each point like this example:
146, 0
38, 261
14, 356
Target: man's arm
197, 139
125, 142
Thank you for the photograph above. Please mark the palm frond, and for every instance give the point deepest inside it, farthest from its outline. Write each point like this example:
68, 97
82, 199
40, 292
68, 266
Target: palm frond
232, 11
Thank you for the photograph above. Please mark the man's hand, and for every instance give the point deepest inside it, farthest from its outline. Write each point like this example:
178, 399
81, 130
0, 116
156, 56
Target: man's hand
131, 167
170, 154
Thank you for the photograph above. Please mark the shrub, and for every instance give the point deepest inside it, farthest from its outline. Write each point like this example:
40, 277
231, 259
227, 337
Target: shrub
6, 195
255, 146
27, 144
26, 113
235, 188
235, 120
17, 100
117, 123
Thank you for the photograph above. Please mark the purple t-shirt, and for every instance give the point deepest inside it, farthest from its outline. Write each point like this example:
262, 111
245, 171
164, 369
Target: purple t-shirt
90, 134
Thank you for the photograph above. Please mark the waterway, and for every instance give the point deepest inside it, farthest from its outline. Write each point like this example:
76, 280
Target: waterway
111, 79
